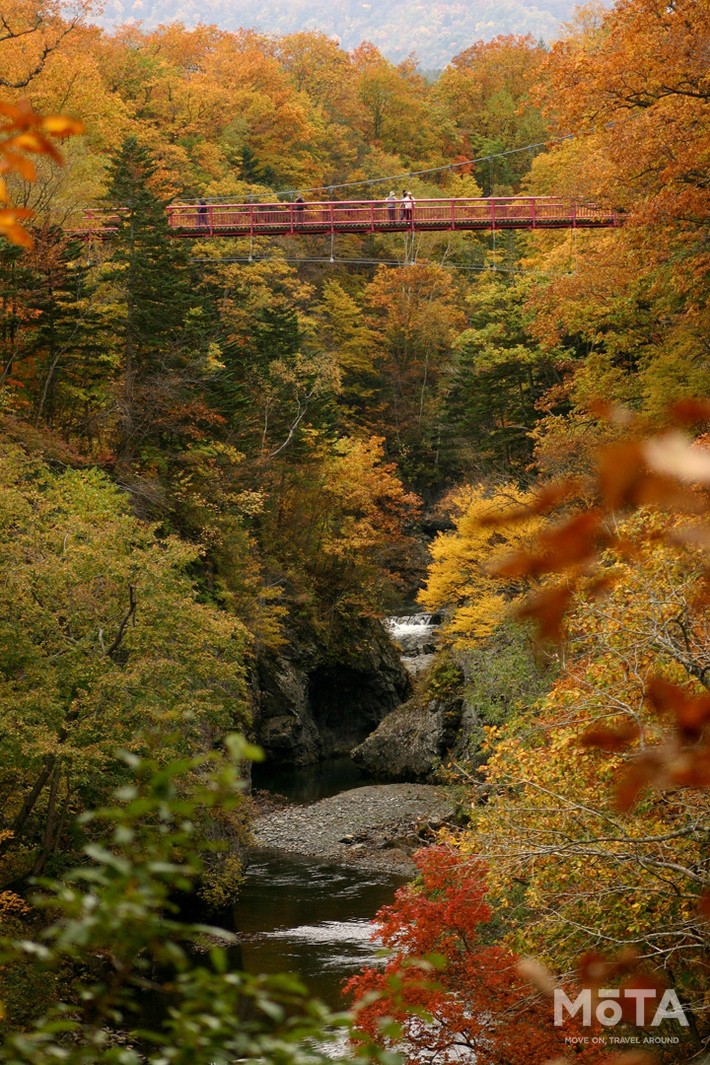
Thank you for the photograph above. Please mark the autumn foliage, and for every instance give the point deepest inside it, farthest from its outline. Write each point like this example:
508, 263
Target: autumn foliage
451, 991
24, 133
208, 449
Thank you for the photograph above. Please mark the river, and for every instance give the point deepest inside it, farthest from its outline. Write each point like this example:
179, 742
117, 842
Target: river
295, 914
300, 916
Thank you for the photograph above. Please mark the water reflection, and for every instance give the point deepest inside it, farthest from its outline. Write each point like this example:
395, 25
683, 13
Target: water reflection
308, 783
296, 915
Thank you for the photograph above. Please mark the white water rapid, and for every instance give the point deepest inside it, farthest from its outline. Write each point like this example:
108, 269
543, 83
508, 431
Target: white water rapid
415, 635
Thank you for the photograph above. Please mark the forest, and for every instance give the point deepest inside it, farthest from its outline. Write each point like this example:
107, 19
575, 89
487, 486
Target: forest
212, 450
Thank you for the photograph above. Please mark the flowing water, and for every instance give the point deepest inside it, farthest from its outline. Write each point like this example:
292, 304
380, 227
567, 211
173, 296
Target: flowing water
415, 635
301, 916
297, 915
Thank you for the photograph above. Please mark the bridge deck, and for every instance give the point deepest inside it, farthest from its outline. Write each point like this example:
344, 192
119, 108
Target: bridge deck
370, 216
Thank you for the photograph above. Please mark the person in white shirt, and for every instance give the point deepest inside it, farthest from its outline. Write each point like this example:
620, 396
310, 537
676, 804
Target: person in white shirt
408, 206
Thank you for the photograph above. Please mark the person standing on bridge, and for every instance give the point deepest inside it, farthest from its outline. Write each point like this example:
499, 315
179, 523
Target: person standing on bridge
201, 212
408, 207
391, 208
299, 207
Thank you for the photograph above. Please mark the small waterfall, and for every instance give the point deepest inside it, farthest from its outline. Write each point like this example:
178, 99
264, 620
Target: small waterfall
415, 635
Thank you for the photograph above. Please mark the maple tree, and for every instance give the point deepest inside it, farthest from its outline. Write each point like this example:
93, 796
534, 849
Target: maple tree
486, 90
450, 991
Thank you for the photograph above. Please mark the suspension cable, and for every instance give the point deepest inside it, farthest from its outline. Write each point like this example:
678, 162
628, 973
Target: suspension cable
430, 170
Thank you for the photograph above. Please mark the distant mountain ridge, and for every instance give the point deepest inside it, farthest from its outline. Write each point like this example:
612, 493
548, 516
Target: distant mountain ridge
435, 30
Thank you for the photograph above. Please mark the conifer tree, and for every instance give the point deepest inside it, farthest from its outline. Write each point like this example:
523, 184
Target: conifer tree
160, 320
69, 343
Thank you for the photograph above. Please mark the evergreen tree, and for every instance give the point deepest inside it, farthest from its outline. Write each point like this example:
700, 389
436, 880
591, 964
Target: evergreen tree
497, 378
54, 357
15, 289
163, 327
73, 364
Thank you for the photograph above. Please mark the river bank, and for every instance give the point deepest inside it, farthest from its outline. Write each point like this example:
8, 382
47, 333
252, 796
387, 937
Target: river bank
375, 827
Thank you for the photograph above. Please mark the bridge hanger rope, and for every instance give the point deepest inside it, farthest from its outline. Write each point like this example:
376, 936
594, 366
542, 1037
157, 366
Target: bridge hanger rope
483, 268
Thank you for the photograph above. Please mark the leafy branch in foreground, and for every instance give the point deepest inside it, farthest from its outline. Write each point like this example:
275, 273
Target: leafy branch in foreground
117, 941
668, 475
24, 133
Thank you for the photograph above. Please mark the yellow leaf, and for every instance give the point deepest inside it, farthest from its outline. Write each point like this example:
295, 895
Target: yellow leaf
62, 125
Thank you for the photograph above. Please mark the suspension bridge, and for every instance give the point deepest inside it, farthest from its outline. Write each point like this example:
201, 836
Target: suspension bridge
209, 220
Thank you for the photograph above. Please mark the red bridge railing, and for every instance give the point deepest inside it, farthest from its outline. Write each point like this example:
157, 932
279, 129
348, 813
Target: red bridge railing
369, 216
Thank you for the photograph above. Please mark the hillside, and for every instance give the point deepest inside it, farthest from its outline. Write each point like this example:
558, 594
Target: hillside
435, 32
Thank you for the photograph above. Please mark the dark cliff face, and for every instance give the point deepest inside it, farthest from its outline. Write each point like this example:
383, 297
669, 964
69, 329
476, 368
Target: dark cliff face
313, 701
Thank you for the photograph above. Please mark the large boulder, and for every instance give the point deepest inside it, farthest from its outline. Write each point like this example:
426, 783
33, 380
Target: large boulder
411, 742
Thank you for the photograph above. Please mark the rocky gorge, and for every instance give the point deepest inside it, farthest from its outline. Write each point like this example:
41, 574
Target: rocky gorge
313, 701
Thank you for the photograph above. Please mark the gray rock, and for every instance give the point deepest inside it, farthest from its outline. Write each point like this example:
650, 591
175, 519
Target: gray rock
374, 826
410, 743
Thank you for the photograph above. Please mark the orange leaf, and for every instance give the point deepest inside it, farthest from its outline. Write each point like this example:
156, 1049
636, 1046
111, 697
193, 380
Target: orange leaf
611, 739
36, 142
674, 455
621, 468
691, 768
613, 413
632, 782
693, 537
16, 235
548, 608
692, 712
20, 113
574, 541
646, 982
537, 974
519, 564
690, 411
561, 547
20, 165
546, 499
599, 586
62, 125
593, 969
